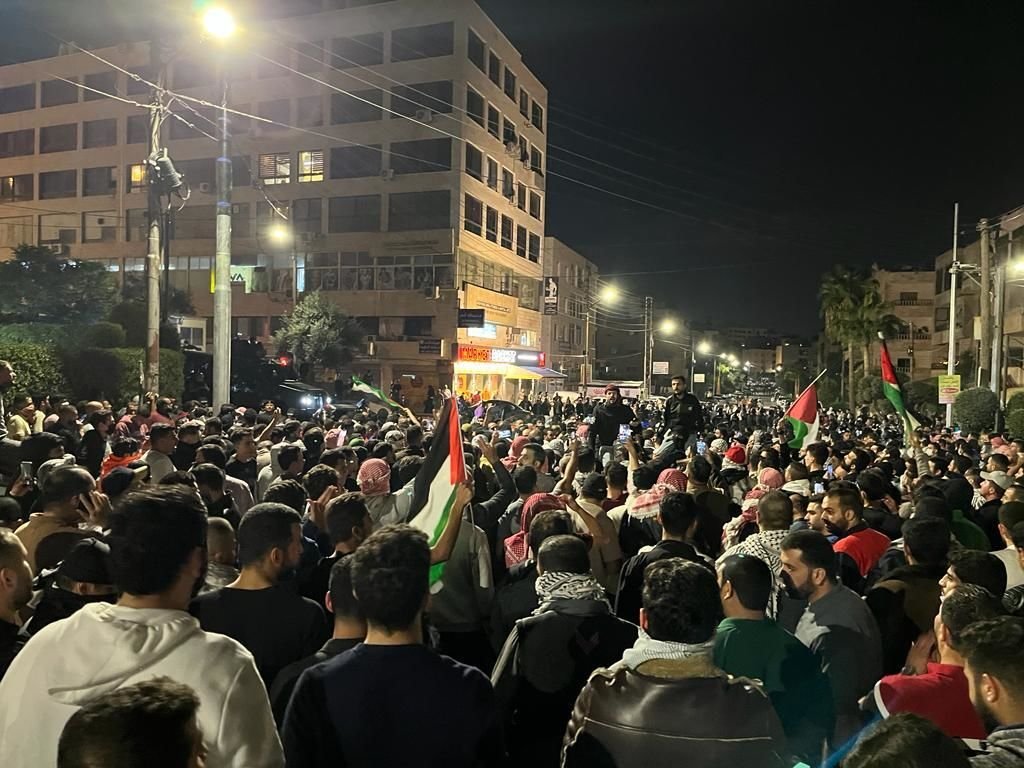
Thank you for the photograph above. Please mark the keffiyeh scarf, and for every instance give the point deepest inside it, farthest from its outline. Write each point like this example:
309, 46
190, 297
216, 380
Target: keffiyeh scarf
561, 585
647, 648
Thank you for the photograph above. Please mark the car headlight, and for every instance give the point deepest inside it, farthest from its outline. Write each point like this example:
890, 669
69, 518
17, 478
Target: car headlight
327, 400
306, 400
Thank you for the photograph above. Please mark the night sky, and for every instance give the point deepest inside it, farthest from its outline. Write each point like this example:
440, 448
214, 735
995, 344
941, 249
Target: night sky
764, 141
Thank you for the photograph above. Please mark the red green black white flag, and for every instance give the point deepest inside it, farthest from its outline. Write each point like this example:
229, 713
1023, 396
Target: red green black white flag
803, 417
892, 390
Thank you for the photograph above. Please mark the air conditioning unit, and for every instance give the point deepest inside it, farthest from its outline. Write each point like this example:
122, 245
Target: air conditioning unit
511, 148
58, 248
387, 174
424, 115
205, 187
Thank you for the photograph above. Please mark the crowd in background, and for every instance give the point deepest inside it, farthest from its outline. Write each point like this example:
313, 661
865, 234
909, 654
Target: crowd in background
622, 584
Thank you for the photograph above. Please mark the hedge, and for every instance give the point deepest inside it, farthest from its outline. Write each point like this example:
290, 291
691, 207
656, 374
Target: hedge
113, 374
37, 367
975, 409
1015, 423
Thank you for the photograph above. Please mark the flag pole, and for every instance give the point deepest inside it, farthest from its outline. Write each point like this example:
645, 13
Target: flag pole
815, 381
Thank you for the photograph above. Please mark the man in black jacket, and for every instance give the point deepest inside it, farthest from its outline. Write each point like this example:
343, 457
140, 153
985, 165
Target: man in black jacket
549, 655
683, 415
608, 417
678, 520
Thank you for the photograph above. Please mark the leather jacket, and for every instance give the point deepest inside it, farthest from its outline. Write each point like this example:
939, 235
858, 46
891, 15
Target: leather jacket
672, 713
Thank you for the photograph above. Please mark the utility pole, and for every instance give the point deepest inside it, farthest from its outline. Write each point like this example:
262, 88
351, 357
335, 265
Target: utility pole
648, 344
152, 369
951, 348
222, 257
995, 380
985, 353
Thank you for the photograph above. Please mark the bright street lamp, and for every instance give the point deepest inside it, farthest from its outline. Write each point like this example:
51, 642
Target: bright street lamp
704, 348
218, 22
668, 325
279, 234
609, 294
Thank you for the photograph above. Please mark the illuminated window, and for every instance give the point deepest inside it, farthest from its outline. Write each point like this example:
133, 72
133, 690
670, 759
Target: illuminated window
136, 177
311, 165
277, 168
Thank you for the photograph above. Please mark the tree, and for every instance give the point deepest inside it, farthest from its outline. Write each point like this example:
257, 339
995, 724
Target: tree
41, 287
178, 301
319, 334
131, 315
841, 294
975, 409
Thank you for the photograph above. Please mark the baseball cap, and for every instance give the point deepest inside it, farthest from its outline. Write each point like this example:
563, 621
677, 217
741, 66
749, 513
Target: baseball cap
1000, 478
89, 562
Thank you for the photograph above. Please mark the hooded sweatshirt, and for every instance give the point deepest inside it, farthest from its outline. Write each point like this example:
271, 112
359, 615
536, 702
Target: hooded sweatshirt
1005, 749
104, 647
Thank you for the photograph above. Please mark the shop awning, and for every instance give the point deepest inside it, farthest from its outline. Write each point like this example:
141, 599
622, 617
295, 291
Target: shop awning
545, 373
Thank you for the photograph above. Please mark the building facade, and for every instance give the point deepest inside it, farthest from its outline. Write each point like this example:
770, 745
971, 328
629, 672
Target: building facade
404, 141
911, 295
565, 331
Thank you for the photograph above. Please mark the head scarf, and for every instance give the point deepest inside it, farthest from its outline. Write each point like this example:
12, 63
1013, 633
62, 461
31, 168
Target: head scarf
770, 479
515, 452
374, 477
553, 586
673, 477
517, 546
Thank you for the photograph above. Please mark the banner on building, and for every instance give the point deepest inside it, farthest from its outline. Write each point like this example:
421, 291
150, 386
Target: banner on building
949, 388
659, 367
551, 295
471, 318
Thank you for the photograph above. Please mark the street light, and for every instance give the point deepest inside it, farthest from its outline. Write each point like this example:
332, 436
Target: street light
704, 348
609, 294
218, 22
279, 234
668, 325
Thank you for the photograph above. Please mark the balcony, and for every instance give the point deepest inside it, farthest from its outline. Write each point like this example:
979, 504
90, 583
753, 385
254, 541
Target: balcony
913, 303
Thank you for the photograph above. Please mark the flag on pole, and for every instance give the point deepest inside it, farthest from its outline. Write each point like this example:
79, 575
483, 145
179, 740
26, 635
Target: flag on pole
803, 416
892, 390
358, 385
443, 470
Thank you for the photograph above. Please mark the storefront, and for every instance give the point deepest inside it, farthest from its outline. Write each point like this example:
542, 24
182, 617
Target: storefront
500, 374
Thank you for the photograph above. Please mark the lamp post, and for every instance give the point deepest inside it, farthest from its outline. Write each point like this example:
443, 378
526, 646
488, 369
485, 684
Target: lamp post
608, 294
283, 235
219, 24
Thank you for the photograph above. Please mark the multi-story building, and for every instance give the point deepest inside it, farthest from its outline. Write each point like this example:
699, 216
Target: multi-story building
910, 293
564, 331
968, 306
406, 144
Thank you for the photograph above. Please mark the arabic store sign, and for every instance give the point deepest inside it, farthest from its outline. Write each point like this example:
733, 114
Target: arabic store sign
473, 354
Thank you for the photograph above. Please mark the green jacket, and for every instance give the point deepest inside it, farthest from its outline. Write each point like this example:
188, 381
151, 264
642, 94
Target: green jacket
967, 533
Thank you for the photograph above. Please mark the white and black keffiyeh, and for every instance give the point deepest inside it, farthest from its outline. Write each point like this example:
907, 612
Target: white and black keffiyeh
562, 585
647, 648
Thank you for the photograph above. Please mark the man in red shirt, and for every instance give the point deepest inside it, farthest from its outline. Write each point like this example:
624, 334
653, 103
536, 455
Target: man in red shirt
859, 546
938, 691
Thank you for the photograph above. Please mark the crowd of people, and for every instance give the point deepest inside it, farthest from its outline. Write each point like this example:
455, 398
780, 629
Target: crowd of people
629, 586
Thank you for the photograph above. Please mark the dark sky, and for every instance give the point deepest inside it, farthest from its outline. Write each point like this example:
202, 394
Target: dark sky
779, 138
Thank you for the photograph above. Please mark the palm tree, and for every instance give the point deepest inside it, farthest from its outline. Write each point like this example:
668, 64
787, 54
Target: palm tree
873, 317
842, 295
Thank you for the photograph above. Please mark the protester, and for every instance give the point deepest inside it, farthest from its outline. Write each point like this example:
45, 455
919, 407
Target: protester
666, 690
774, 518
973, 567
15, 594
158, 541
84, 576
994, 654
908, 741
1010, 514
51, 532
162, 441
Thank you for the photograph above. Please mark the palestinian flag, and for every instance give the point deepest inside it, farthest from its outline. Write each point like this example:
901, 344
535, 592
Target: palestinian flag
358, 385
891, 389
803, 416
443, 470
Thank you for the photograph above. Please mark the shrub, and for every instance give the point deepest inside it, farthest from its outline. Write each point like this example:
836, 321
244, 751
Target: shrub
975, 409
131, 315
1015, 423
172, 372
923, 396
1015, 403
37, 366
113, 374
34, 333
103, 335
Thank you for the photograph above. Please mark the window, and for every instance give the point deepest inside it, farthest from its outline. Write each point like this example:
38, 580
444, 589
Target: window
354, 108
521, 196
474, 162
426, 156
508, 131
138, 129
181, 131
537, 116
417, 326
475, 106
135, 87
524, 103
524, 149
309, 57
275, 168
493, 121
507, 226
533, 250
59, 229
309, 111
359, 213
306, 215
58, 138
101, 81
18, 143
311, 165
136, 224
510, 84
278, 110
14, 188
240, 173
137, 177
357, 51
508, 184
54, 184
494, 69
99, 227
477, 52
195, 222
521, 241
535, 205
355, 162
199, 171
99, 181
53, 93
908, 298
536, 160
411, 100
99, 133
492, 173
474, 216
419, 210
422, 42
492, 224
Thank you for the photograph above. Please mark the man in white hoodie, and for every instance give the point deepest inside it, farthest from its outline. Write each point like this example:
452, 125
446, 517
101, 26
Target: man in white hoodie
158, 553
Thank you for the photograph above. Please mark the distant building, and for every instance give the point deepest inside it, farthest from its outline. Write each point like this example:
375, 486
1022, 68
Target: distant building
911, 296
564, 334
